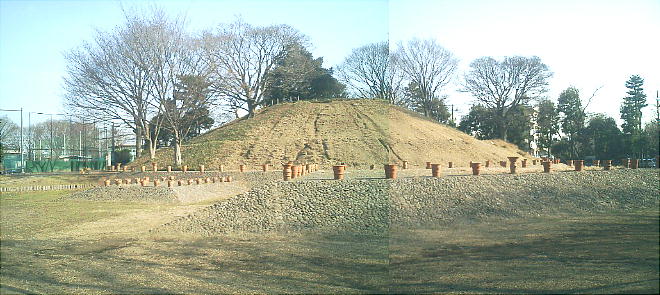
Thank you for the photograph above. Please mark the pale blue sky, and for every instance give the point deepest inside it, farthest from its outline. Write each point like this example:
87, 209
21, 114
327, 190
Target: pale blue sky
587, 43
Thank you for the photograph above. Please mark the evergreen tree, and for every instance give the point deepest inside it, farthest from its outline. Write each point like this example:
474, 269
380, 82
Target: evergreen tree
434, 108
631, 113
481, 123
547, 122
572, 122
602, 138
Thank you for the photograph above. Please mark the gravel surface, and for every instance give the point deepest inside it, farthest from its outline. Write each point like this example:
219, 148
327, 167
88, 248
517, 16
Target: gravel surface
132, 193
376, 205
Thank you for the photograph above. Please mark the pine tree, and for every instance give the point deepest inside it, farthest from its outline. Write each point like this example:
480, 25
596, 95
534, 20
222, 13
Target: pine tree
631, 113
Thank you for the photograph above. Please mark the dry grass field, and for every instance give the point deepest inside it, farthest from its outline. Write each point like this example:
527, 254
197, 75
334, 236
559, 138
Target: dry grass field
51, 244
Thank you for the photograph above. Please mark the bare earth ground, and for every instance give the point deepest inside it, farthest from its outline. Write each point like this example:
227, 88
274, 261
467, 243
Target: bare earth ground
54, 245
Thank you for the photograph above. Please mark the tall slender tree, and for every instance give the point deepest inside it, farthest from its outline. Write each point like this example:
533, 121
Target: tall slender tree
573, 117
631, 113
547, 122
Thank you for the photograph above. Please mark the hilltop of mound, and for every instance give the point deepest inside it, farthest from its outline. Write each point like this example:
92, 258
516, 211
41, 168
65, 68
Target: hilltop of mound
357, 132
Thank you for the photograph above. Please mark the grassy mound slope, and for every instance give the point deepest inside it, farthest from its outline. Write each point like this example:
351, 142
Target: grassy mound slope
357, 132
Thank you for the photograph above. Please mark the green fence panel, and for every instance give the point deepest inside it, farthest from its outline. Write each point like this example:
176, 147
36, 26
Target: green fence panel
61, 166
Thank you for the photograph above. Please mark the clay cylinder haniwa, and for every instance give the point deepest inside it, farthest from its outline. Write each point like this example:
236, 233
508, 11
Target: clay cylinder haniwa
634, 163
596, 163
190, 181
436, 170
578, 165
169, 168
179, 182
184, 168
201, 168
608, 165
286, 171
405, 164
143, 182
241, 168
169, 183
487, 163
294, 171
132, 169
222, 168
450, 165
127, 181
513, 166
524, 163
476, 168
534, 162
154, 166
391, 171
214, 179
143, 168
117, 181
503, 163
546, 166
569, 162
428, 165
264, 167
339, 171
372, 166
302, 170
207, 180
110, 168
123, 168
198, 181
106, 182
156, 182
228, 179
171, 178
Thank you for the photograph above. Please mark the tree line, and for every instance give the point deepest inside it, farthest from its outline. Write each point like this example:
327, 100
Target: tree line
162, 81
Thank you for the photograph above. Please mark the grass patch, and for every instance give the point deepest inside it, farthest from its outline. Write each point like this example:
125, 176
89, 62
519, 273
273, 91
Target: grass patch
46, 179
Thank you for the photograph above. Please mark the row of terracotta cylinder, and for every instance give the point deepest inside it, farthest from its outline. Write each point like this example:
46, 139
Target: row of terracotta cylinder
291, 171
170, 181
184, 168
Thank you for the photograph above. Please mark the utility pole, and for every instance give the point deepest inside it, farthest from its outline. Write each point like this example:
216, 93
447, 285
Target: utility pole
20, 148
113, 142
51, 137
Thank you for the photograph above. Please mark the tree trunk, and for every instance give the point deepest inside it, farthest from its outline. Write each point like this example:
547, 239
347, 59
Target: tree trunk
251, 106
138, 140
177, 150
152, 148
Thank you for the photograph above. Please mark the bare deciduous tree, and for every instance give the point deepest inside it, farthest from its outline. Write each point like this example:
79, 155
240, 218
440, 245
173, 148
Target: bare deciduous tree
502, 86
370, 73
112, 77
242, 57
426, 65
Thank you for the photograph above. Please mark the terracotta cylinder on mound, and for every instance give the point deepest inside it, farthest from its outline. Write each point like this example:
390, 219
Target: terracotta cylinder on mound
228, 179
132, 169
339, 171
286, 171
450, 164
436, 170
201, 168
372, 167
156, 182
154, 167
190, 181
179, 182
143, 183
110, 168
503, 163
123, 168
578, 165
391, 171
428, 165
241, 168
106, 182
169, 183
546, 166
569, 162
512, 164
405, 165
608, 165
596, 163
222, 168
533, 162
169, 168
198, 181
117, 181
302, 170
264, 167
143, 168
524, 163
634, 163
476, 168
184, 168
625, 163
487, 163
127, 181
171, 178
118, 166
207, 180
163, 178
294, 171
